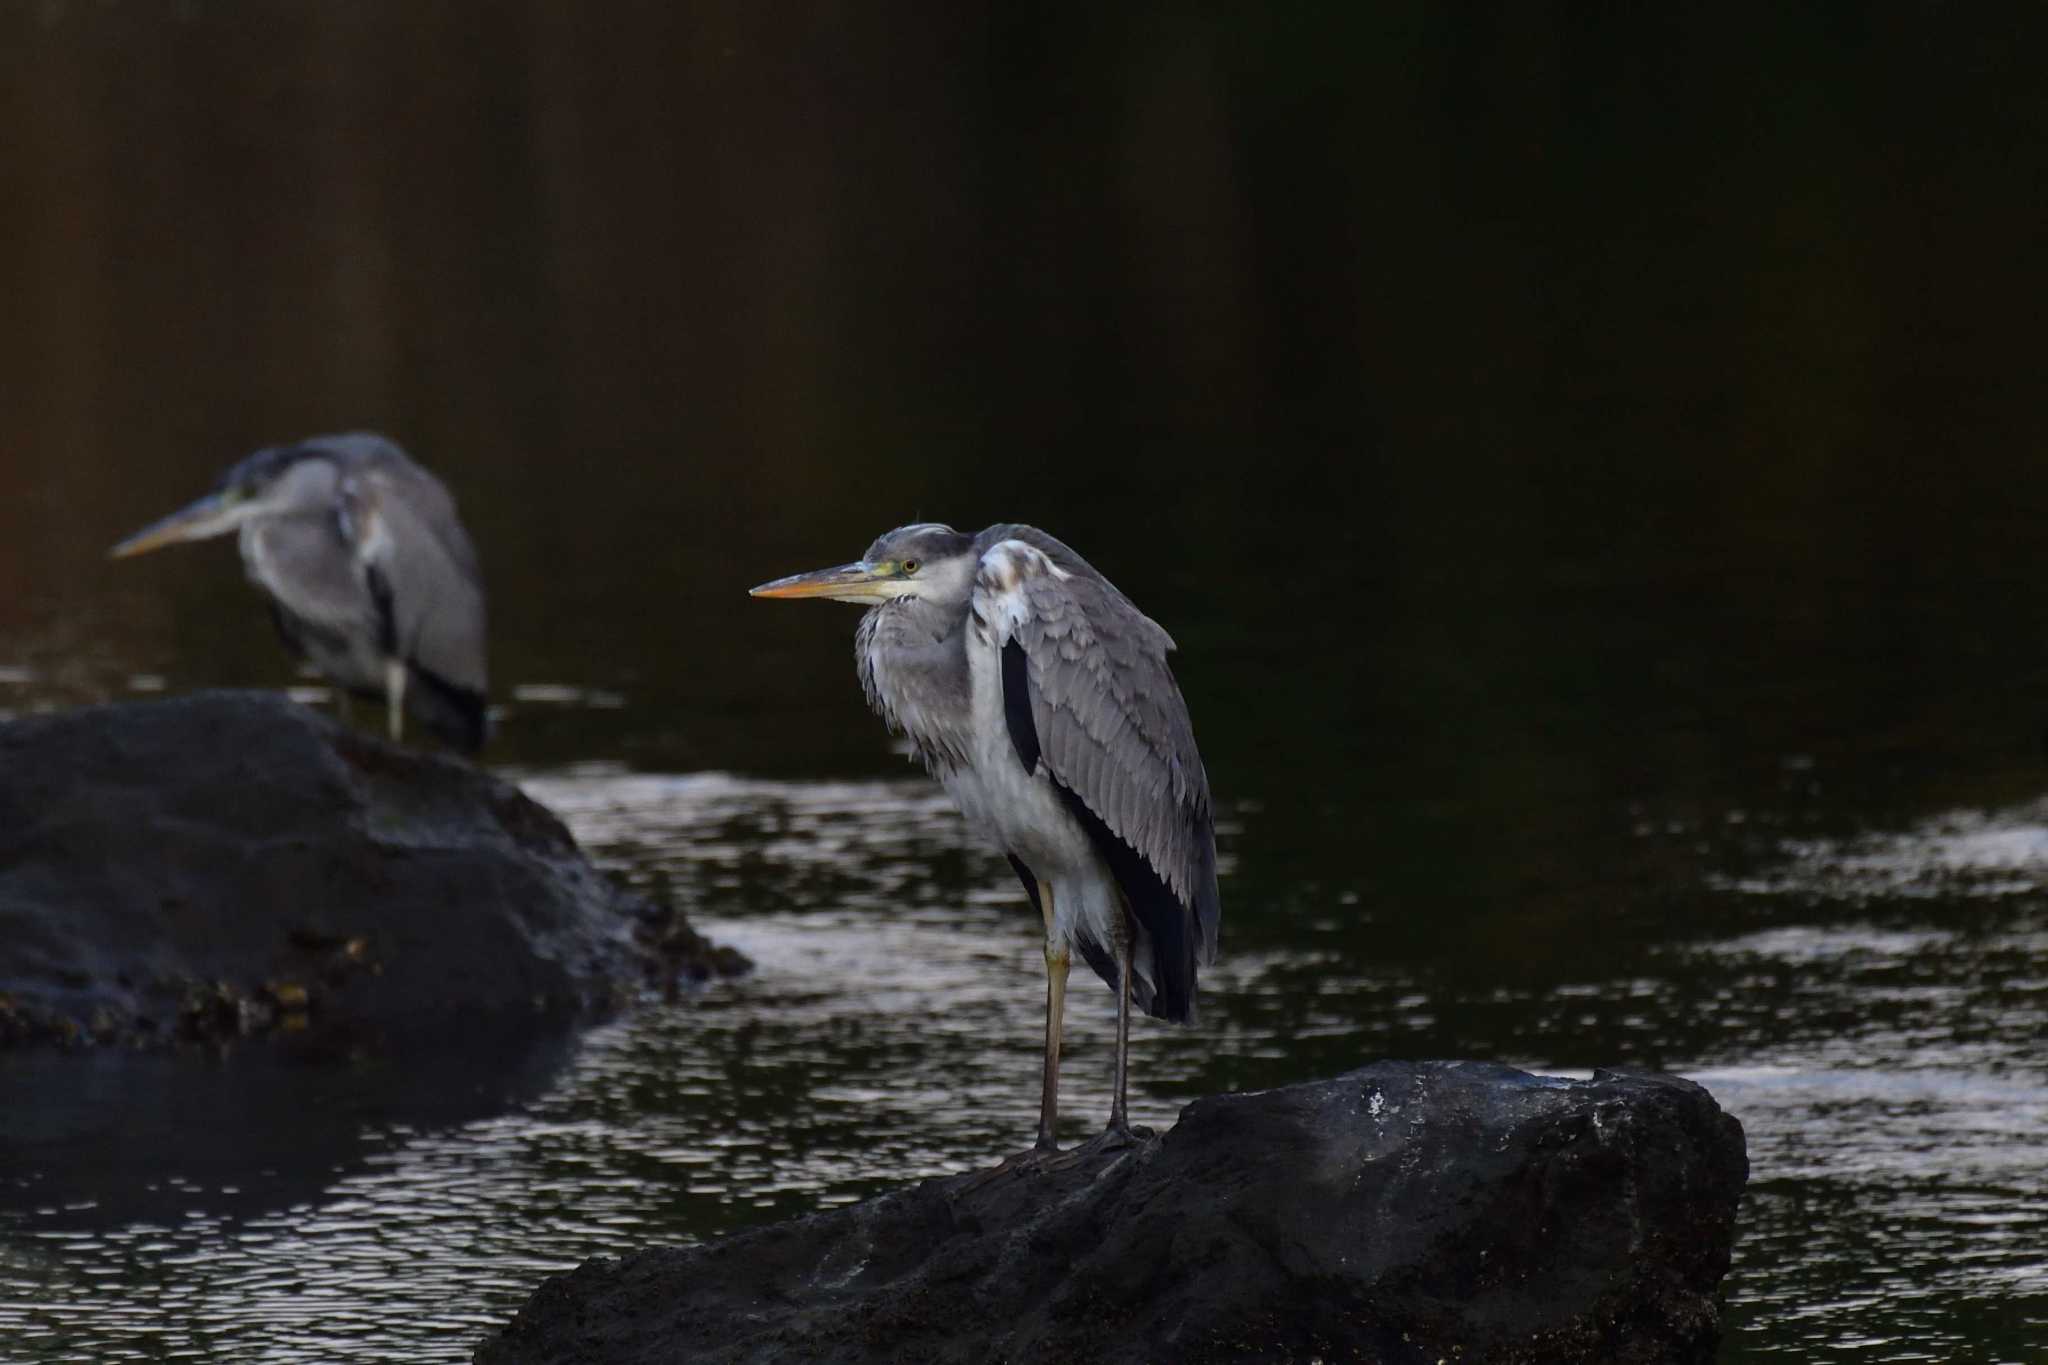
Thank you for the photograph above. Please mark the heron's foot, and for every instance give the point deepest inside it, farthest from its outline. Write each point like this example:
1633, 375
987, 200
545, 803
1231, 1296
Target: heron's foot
1119, 1136
1121, 1132
1036, 1158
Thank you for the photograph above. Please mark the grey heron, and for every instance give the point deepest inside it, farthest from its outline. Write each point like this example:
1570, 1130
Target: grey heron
371, 576
1040, 697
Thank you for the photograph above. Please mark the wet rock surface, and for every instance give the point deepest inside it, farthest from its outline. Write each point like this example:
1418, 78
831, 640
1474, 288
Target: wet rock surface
1404, 1212
233, 863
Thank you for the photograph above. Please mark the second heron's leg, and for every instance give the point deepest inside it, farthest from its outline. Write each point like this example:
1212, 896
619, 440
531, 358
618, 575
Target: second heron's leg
394, 696
1056, 962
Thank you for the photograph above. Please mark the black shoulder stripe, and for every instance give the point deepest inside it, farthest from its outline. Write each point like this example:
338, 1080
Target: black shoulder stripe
1017, 704
387, 615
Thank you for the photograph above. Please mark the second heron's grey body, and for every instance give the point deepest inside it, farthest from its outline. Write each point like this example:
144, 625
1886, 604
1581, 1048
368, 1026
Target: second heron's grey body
1098, 741
367, 561
369, 571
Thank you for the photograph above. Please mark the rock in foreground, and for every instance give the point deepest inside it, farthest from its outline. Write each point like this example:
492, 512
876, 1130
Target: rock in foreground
1420, 1212
233, 862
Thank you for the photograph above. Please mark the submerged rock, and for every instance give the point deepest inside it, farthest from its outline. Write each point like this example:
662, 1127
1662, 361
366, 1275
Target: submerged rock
1405, 1212
232, 862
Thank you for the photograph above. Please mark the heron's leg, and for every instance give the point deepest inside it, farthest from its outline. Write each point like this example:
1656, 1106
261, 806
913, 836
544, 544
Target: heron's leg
1056, 962
394, 696
1119, 1121
1118, 1134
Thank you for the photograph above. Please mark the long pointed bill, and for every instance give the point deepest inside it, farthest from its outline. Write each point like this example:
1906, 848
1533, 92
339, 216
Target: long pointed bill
843, 583
210, 516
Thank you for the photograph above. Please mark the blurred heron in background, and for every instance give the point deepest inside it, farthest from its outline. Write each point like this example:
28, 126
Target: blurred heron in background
1040, 697
371, 577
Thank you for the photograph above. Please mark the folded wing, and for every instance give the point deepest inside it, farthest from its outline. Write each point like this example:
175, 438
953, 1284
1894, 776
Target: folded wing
422, 571
1108, 723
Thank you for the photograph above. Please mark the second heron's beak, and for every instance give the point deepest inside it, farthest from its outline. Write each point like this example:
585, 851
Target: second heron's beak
212, 515
843, 583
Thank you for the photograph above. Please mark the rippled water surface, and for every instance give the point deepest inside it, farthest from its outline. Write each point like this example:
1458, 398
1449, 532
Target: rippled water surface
1590, 462
1879, 1041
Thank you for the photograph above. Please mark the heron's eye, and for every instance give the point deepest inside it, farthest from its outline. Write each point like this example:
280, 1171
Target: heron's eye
910, 566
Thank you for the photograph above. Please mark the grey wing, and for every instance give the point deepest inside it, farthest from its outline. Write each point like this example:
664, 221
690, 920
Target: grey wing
1111, 725
421, 567
323, 609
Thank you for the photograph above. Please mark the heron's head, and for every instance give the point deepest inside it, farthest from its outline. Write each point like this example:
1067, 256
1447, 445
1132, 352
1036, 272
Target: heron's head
929, 562
274, 481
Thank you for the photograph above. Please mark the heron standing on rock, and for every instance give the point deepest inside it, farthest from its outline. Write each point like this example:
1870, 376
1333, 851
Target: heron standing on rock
1040, 697
371, 577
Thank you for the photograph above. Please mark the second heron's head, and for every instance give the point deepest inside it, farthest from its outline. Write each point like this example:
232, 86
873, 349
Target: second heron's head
929, 562
276, 480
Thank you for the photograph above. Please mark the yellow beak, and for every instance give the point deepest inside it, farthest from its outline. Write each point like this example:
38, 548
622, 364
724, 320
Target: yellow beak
212, 515
842, 582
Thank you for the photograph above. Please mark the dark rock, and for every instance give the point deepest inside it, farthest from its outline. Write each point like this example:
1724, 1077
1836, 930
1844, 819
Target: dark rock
1406, 1212
233, 863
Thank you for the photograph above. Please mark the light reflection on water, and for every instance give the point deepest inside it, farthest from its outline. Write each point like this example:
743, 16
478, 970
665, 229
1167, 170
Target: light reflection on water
1881, 1050
1960, 853
1894, 1095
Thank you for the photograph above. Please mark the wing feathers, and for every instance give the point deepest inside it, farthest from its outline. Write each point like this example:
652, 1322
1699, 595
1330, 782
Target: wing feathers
1110, 727
421, 568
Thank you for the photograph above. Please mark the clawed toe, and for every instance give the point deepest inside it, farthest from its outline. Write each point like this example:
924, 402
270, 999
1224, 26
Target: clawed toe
1017, 1163
1117, 1137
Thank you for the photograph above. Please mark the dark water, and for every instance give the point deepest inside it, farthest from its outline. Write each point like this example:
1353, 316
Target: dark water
1592, 466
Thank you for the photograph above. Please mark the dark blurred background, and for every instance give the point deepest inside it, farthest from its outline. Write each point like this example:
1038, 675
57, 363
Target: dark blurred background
1503, 409
1572, 385
1573, 446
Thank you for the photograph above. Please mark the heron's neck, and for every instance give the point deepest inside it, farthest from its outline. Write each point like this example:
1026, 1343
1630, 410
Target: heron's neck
913, 665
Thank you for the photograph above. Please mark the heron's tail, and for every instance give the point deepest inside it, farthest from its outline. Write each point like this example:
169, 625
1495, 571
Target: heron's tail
457, 715
1165, 924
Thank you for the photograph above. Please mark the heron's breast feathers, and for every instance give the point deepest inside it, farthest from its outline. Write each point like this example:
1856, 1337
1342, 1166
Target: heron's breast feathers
916, 681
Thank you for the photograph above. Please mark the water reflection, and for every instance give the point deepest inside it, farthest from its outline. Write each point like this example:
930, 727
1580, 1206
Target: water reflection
253, 1202
1894, 1093
105, 1137
1880, 1047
